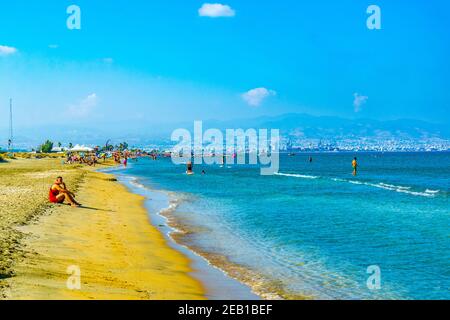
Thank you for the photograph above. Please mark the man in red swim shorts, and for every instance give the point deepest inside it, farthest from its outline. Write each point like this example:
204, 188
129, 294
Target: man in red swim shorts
59, 193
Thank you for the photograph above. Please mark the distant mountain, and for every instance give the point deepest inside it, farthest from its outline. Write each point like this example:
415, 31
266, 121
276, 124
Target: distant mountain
298, 126
312, 127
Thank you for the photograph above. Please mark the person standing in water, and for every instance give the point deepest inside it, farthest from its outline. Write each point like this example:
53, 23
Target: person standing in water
190, 170
355, 166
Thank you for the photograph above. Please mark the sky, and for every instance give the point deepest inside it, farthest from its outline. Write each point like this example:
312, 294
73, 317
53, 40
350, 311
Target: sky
158, 61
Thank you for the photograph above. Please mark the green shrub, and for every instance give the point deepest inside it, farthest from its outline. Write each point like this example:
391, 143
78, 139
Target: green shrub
46, 147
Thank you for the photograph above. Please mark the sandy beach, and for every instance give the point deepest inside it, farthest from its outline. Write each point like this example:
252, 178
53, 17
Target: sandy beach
110, 241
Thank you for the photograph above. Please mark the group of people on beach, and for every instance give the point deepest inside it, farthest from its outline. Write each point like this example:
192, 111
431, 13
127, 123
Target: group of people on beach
122, 157
59, 192
90, 159
94, 158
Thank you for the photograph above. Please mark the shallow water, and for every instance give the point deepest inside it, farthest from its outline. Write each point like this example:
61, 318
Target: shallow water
159, 204
314, 229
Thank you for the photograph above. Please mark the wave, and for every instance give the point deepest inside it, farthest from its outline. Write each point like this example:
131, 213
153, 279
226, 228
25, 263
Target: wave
296, 175
135, 182
395, 188
381, 185
170, 209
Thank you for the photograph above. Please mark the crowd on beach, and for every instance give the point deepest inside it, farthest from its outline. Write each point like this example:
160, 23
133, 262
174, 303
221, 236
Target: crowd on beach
59, 193
90, 159
95, 157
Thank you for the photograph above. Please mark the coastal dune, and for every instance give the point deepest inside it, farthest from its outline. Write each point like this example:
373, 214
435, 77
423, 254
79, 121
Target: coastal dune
108, 249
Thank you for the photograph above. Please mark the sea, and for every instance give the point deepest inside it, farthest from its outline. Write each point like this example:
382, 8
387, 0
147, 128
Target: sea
313, 230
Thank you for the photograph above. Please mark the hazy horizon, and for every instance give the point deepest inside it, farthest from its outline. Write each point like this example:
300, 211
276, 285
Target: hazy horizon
296, 126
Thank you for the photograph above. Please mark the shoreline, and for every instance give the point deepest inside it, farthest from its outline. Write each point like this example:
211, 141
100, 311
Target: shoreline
118, 251
265, 288
219, 285
260, 286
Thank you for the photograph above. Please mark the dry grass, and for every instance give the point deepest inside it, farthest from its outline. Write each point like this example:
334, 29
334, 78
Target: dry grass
30, 155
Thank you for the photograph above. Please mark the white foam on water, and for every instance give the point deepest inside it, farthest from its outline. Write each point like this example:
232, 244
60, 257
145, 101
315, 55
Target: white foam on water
302, 176
135, 182
391, 187
385, 186
394, 186
171, 208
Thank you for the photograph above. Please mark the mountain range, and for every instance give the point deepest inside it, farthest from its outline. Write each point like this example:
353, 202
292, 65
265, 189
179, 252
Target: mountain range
296, 126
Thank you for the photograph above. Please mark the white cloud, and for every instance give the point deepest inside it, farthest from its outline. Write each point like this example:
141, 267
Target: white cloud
216, 10
84, 107
108, 60
256, 97
6, 51
53, 46
359, 101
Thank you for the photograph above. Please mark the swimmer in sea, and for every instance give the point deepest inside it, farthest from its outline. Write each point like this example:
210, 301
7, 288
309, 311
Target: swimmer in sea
355, 166
189, 168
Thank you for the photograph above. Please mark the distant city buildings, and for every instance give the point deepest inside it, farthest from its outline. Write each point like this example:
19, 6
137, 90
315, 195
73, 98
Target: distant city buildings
301, 144
365, 144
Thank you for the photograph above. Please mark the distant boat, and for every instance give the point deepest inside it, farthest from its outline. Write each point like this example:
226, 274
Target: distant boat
292, 154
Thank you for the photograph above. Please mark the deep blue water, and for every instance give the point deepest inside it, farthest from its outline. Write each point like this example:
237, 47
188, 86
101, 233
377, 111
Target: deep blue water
315, 229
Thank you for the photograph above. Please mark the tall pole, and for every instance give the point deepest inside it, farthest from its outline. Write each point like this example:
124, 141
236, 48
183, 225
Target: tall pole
10, 141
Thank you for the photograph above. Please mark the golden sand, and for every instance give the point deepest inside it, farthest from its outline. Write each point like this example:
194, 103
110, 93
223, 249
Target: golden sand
119, 254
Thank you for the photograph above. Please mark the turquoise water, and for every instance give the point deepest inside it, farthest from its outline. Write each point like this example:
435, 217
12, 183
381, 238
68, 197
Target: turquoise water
314, 229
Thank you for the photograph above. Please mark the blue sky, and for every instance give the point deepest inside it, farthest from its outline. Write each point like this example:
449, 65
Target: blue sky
161, 61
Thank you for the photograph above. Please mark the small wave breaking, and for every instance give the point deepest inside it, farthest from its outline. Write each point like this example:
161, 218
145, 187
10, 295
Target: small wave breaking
381, 185
296, 175
391, 187
135, 182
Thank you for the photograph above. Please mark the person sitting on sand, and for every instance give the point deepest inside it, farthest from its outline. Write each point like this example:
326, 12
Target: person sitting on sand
59, 193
